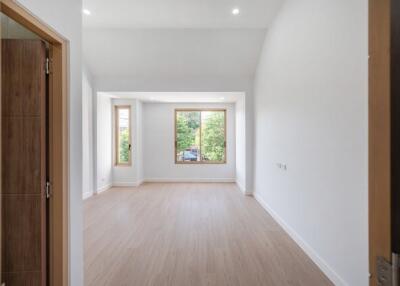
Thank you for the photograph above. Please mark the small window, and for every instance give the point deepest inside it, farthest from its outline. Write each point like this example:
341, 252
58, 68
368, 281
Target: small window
200, 136
123, 135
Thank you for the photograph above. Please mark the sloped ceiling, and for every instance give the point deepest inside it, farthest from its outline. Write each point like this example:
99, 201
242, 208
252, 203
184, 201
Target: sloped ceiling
172, 52
180, 13
175, 38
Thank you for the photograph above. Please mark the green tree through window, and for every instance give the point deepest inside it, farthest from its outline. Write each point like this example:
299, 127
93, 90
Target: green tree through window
213, 136
187, 124
124, 146
200, 136
123, 134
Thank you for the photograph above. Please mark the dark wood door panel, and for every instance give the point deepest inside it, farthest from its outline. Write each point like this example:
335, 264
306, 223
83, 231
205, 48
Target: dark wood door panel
34, 181
22, 238
395, 90
11, 150
23, 76
23, 279
21, 149
23, 162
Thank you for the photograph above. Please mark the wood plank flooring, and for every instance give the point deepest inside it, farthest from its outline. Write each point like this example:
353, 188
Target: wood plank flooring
189, 235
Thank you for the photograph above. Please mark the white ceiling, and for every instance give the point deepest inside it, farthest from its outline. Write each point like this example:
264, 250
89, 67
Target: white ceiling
180, 13
175, 39
172, 53
178, 97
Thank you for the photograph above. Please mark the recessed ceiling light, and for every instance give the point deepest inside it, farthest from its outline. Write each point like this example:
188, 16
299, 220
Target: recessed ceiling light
236, 11
86, 12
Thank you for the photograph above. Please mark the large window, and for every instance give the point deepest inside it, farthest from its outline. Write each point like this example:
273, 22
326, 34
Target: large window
200, 136
123, 135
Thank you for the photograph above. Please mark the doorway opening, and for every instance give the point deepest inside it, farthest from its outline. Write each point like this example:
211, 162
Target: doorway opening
24, 144
34, 150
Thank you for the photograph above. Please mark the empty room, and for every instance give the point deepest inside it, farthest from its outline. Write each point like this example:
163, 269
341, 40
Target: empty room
200, 143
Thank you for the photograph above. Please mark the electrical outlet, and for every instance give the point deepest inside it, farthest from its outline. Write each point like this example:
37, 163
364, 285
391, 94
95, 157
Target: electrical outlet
281, 166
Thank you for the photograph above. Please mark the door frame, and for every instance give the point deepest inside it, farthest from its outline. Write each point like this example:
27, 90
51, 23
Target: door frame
58, 139
379, 134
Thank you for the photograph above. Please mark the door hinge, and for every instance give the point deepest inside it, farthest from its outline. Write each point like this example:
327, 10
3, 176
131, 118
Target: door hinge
48, 190
388, 273
47, 66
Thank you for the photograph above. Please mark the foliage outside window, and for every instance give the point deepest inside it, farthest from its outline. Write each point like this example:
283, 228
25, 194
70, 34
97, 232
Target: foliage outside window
123, 135
200, 136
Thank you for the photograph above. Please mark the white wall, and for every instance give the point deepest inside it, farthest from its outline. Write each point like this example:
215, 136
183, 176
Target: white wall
159, 146
249, 141
126, 176
149, 120
138, 149
240, 121
311, 104
192, 84
87, 135
104, 174
66, 18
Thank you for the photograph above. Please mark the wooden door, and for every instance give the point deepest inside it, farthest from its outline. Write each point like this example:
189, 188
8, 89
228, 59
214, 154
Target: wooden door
379, 135
395, 102
23, 122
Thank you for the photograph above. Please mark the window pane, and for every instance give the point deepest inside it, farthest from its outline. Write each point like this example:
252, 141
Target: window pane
123, 136
188, 136
213, 136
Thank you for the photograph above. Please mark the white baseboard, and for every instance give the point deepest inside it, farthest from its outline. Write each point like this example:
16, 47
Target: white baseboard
87, 195
325, 268
104, 188
127, 184
117, 184
243, 189
190, 180
167, 180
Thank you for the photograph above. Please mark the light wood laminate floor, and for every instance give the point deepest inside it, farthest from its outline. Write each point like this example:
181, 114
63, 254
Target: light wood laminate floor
189, 235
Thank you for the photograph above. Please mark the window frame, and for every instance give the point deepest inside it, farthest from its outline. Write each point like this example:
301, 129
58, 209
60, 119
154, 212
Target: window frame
116, 135
177, 110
